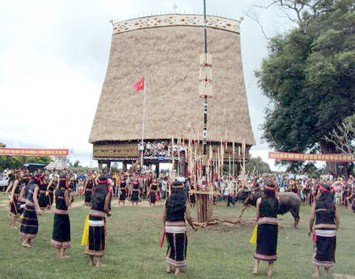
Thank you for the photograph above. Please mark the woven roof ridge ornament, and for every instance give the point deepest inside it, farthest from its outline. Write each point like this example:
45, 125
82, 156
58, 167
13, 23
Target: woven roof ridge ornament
169, 20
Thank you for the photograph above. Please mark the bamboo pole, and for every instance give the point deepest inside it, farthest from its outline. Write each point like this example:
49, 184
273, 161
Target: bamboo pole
222, 159
218, 163
172, 159
233, 161
229, 166
210, 164
243, 153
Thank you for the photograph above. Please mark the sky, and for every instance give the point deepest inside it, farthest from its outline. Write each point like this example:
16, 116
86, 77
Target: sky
54, 56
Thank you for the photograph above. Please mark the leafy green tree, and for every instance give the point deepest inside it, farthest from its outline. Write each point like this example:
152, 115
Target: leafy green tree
16, 162
257, 165
114, 167
309, 76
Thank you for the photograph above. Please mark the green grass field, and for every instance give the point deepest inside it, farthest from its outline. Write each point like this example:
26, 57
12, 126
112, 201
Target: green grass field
219, 251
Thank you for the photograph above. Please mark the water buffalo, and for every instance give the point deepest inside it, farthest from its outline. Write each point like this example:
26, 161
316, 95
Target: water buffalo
289, 201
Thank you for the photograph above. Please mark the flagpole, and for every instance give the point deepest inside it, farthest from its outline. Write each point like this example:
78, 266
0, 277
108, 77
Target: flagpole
143, 116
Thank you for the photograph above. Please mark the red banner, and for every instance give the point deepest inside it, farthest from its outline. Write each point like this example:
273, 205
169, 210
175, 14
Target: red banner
286, 156
34, 152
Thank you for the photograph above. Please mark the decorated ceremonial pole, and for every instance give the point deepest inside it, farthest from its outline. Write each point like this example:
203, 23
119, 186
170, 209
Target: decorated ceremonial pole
143, 119
229, 166
204, 210
233, 160
222, 159
172, 160
243, 162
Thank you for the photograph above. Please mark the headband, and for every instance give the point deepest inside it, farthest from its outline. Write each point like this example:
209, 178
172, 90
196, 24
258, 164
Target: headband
103, 181
323, 189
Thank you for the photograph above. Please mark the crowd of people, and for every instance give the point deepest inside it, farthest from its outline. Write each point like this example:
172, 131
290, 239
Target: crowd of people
161, 148
343, 189
31, 194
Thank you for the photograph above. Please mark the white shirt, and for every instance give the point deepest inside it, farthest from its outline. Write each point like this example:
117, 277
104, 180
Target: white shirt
163, 185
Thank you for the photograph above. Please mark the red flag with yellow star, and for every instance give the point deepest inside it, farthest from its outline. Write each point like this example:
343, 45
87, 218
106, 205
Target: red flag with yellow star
139, 86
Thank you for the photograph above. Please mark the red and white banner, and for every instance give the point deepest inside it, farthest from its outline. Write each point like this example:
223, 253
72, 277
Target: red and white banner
34, 152
287, 156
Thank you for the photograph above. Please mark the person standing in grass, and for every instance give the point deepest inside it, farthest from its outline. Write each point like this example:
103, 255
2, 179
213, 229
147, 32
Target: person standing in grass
96, 246
15, 192
42, 198
152, 192
176, 213
326, 219
123, 190
266, 216
88, 188
29, 221
61, 226
23, 192
135, 191
50, 191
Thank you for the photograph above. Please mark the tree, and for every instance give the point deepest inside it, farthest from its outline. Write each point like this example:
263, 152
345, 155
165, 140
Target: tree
257, 165
309, 76
76, 164
63, 159
16, 162
343, 136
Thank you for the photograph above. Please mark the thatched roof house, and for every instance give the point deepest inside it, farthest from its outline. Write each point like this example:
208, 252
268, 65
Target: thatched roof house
165, 50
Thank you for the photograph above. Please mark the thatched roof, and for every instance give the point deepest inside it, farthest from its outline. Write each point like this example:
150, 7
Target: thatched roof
56, 166
168, 57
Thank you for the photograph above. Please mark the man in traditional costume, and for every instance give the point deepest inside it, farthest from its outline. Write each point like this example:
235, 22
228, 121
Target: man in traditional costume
327, 221
176, 213
96, 246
